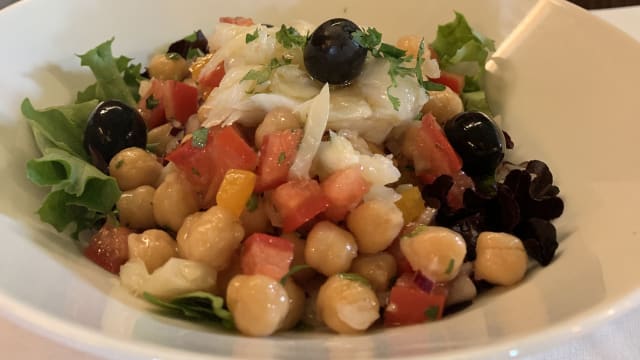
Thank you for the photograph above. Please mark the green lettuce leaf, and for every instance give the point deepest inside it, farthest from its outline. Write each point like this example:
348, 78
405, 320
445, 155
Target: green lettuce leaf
115, 78
60, 126
476, 101
80, 196
195, 306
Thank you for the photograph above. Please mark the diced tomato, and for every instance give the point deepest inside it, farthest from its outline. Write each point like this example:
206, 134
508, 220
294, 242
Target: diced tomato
180, 100
434, 156
237, 20
151, 105
266, 255
455, 197
212, 79
344, 190
454, 81
205, 167
408, 304
109, 247
277, 153
298, 201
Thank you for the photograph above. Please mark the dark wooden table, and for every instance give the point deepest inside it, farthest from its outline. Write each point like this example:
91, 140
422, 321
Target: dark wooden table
601, 4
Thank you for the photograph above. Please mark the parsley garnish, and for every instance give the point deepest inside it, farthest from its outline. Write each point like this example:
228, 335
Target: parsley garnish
153, 147
450, 267
418, 229
431, 312
192, 37
264, 74
194, 53
195, 172
252, 203
290, 37
119, 164
294, 269
282, 157
173, 56
250, 37
151, 102
433, 86
355, 277
200, 137
369, 39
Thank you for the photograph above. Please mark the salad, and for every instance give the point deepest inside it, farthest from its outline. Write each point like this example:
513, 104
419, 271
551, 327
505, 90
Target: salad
268, 178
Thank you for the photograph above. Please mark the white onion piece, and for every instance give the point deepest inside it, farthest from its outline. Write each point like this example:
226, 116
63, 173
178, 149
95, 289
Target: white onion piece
382, 193
133, 275
316, 123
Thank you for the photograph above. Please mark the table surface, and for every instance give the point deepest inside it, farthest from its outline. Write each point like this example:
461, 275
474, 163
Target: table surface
618, 339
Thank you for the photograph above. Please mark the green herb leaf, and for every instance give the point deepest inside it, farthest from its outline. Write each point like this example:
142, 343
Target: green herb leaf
194, 53
289, 37
191, 37
252, 203
152, 102
449, 269
251, 37
260, 76
153, 147
395, 102
200, 137
119, 163
433, 86
281, 158
195, 171
432, 312
294, 269
195, 306
417, 230
355, 277
391, 51
369, 39
173, 56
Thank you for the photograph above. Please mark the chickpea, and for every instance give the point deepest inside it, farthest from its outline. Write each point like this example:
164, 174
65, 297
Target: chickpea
296, 305
173, 201
377, 268
168, 67
154, 247
375, 224
501, 258
160, 137
347, 306
136, 208
443, 105
304, 275
133, 167
276, 120
437, 252
330, 249
258, 303
255, 220
211, 237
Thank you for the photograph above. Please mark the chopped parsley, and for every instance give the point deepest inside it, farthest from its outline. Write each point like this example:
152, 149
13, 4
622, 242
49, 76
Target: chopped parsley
119, 164
252, 203
281, 158
432, 312
200, 137
251, 37
355, 277
264, 74
450, 267
294, 269
191, 37
173, 56
195, 172
289, 37
418, 229
194, 53
152, 102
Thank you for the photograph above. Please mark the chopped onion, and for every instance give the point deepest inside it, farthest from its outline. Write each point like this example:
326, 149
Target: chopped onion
316, 123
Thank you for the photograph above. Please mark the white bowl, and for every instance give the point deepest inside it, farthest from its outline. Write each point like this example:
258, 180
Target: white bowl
564, 82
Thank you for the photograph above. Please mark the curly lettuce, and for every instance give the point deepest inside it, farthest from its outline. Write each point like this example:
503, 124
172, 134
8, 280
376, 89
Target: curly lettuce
81, 195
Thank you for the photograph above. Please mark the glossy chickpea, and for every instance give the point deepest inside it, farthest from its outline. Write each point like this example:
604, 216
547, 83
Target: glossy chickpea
296, 305
154, 247
133, 167
254, 218
173, 201
211, 237
375, 224
168, 67
276, 120
437, 252
500, 258
330, 249
347, 306
258, 304
378, 268
443, 105
135, 208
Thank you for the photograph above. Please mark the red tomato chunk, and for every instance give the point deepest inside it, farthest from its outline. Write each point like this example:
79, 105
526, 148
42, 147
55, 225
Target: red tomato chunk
266, 255
434, 151
180, 100
298, 201
237, 20
276, 157
454, 81
408, 304
344, 190
212, 79
109, 248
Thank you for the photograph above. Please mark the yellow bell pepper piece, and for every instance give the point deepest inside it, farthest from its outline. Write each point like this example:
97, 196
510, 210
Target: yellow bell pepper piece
411, 203
198, 64
235, 190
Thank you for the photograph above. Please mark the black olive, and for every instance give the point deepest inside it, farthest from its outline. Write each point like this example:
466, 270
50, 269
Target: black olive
478, 141
197, 40
331, 55
113, 126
